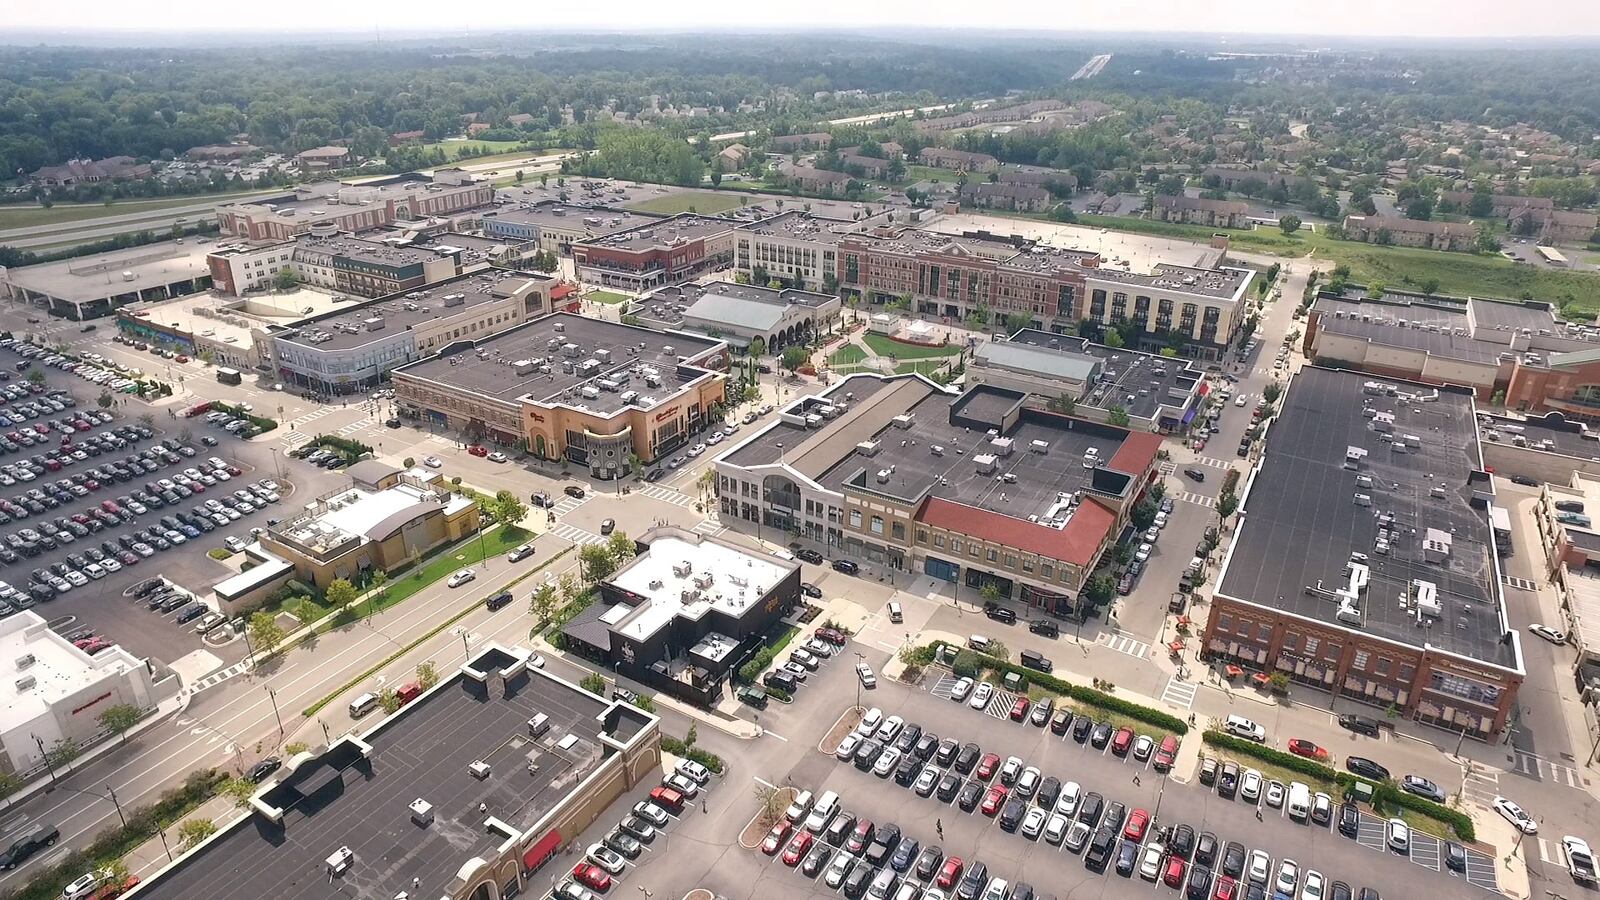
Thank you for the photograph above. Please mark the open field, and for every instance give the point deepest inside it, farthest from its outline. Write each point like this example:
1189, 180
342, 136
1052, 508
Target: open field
698, 201
30, 216
608, 297
452, 148
883, 346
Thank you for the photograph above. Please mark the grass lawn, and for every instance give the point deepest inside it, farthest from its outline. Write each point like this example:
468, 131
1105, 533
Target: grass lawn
848, 355
703, 202
883, 346
452, 148
929, 173
923, 366
24, 216
466, 553
610, 297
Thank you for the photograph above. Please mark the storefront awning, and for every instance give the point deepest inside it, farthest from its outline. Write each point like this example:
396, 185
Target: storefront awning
541, 851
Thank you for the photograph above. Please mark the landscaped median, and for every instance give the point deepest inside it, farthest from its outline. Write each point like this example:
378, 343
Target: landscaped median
974, 665
1425, 815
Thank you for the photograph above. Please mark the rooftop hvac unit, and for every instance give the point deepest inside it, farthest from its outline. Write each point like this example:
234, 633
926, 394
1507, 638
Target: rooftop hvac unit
340, 860
375, 323
603, 355
813, 421
903, 420
25, 660
868, 448
883, 475
590, 392
479, 769
1426, 594
523, 367
1002, 446
984, 463
26, 683
421, 812
1039, 446
561, 326
682, 569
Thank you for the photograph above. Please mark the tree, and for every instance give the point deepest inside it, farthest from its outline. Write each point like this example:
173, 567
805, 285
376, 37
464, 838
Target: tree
192, 831
1062, 403
1063, 213
1289, 224
1100, 589
304, 610
286, 279
990, 592
62, 753
793, 358
376, 586
758, 348
36, 377
427, 675
1227, 504
147, 420
389, 700
772, 804
340, 593
542, 604
119, 718
107, 400
265, 633
597, 562
1113, 338
10, 783
594, 683
1116, 415
1272, 392
507, 508
1144, 515
1017, 321
239, 790
1429, 286
621, 547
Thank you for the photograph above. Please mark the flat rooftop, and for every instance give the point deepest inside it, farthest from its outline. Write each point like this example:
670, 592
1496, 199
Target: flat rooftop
596, 221
352, 326
1036, 258
489, 369
378, 253
1470, 330
59, 670
714, 575
1218, 283
1115, 248
1140, 383
86, 278
725, 303
474, 248
802, 226
310, 202
660, 234
1301, 523
1550, 433
202, 315
342, 800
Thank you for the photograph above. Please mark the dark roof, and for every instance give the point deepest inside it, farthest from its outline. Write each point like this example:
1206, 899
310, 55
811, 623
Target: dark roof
1301, 523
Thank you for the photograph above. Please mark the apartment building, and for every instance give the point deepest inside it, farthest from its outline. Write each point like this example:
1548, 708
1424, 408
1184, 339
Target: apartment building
350, 350
1201, 211
666, 251
322, 159
594, 393
974, 488
555, 226
1500, 205
1054, 179
1554, 226
1202, 308
795, 246
1411, 232
239, 268
869, 166
327, 209
950, 276
818, 181
790, 143
91, 171
958, 160
1388, 596
1004, 195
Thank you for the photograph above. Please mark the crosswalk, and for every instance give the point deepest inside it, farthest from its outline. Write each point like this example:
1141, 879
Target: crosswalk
576, 535
1552, 852
1212, 463
1123, 643
309, 417
1179, 693
295, 438
219, 676
1481, 785
665, 495
1196, 499
1541, 769
357, 425
1169, 468
568, 504
1521, 584
709, 527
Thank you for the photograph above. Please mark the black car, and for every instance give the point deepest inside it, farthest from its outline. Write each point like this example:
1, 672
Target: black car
907, 738
1199, 884
1180, 842
1198, 474
1011, 813
1101, 736
969, 796
1081, 728
28, 843
809, 555
1115, 813
1061, 721
925, 746
1091, 808
1044, 628
946, 754
846, 566
948, 787
1002, 614
810, 590
840, 828
1525, 481
1366, 768
1228, 781
867, 754
1049, 790
905, 855
906, 773
973, 882
1127, 856
190, 614
1455, 856
967, 758
815, 860
1205, 849
928, 863
260, 771
885, 838
1233, 859
855, 884
1349, 819
499, 601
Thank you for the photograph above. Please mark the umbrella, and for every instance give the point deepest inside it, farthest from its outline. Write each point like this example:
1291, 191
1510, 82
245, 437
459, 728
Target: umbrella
1176, 646
1261, 678
1233, 671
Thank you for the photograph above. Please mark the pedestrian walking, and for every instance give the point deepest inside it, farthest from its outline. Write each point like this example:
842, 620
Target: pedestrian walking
1136, 779
938, 826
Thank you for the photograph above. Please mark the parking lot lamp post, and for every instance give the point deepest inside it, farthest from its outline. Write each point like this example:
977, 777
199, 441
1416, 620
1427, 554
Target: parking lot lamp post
274, 696
859, 659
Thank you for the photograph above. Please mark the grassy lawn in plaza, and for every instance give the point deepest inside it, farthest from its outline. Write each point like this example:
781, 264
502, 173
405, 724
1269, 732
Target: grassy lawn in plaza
884, 346
921, 366
608, 297
701, 201
847, 357
405, 582
26, 216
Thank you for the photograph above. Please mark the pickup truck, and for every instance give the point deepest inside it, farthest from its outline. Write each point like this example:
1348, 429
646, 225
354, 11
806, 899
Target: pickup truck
1580, 861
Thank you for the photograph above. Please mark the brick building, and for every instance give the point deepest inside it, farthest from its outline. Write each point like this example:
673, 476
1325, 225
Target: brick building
668, 251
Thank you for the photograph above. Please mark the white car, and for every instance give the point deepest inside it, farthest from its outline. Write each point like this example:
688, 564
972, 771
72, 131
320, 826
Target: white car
962, 688
1312, 889
1150, 865
870, 720
839, 869
462, 577
1549, 634
981, 695
1516, 816
1143, 553
887, 761
1077, 836
683, 784
864, 672
1288, 877
1260, 867
86, 884
691, 769
1275, 794
497, 456
926, 779
1398, 834
1250, 786
1055, 830
890, 729
432, 462
847, 747
1241, 401
1033, 823
1067, 800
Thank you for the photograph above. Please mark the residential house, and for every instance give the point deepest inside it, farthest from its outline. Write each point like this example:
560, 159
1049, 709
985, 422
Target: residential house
1201, 211
958, 160
1412, 232
789, 143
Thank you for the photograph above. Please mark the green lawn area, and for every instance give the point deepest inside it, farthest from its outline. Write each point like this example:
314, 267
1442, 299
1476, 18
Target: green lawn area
922, 366
929, 173
451, 148
20, 216
609, 297
883, 346
701, 201
847, 356
403, 583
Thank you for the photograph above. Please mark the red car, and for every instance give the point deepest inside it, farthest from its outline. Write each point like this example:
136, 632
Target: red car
592, 876
41, 427
832, 636
475, 450
1173, 874
1138, 821
775, 838
1226, 889
1302, 747
797, 848
950, 872
987, 765
1019, 709
1123, 740
81, 425
1166, 754
993, 800
860, 837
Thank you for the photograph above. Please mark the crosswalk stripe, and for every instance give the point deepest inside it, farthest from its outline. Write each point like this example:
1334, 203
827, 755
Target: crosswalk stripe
1179, 693
1197, 499
709, 527
576, 535
1521, 584
1123, 644
666, 495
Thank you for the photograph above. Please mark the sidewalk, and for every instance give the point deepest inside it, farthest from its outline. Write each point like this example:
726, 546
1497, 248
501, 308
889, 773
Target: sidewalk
44, 782
151, 856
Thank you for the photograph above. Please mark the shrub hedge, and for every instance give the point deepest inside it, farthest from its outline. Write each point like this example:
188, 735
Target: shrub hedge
758, 663
1385, 792
1082, 694
705, 758
260, 422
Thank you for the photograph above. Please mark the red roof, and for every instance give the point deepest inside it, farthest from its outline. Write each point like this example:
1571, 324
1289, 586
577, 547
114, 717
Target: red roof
1136, 454
1077, 543
562, 290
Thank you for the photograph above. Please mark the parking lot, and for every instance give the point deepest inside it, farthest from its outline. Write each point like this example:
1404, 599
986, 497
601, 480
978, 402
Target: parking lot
115, 503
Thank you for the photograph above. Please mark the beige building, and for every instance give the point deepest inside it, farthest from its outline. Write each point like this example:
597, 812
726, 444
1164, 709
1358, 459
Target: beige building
1201, 211
795, 246
1411, 232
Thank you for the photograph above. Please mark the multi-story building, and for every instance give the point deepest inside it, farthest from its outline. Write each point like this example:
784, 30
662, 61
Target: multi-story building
1411, 232
370, 268
1500, 205
1201, 211
866, 166
685, 612
351, 349
667, 251
797, 247
85, 287
977, 488
741, 313
951, 276
322, 159
1155, 392
1004, 195
789, 143
241, 267
809, 178
540, 758
596, 393
1200, 310
555, 227
1364, 567
959, 160
1055, 179
328, 210
1257, 180
1554, 226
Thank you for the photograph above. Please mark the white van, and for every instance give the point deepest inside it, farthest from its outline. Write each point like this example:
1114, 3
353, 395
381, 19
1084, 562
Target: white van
895, 613
1299, 801
798, 809
822, 813
362, 705
978, 642
1239, 726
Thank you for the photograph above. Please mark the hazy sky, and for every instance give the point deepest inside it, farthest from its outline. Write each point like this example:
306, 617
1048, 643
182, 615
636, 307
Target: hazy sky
1390, 18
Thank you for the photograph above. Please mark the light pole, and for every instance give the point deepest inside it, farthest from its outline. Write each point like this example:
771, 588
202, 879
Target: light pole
274, 697
859, 659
